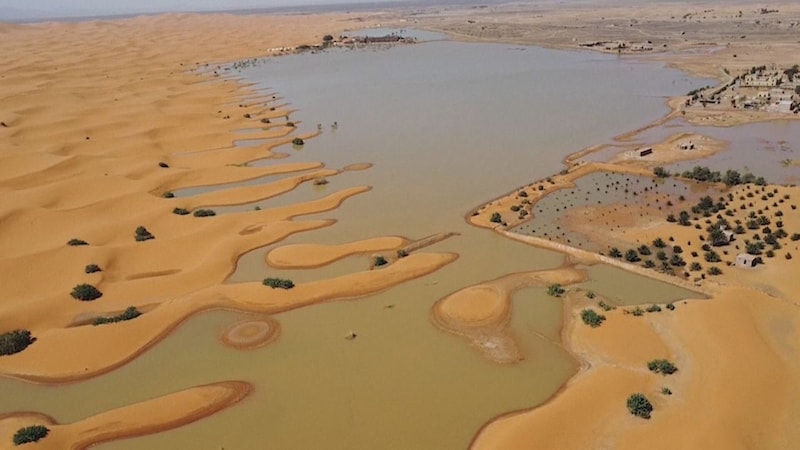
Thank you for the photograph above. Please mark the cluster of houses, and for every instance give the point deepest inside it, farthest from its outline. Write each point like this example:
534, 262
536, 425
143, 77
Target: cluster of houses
771, 90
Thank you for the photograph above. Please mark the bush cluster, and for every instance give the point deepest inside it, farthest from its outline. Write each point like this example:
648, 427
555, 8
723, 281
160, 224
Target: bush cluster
662, 366
130, 313
278, 283
142, 234
204, 213
591, 318
555, 290
15, 341
180, 211
640, 406
30, 434
85, 292
91, 268
76, 242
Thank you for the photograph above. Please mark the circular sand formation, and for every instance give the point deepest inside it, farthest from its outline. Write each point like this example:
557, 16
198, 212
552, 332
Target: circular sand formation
251, 333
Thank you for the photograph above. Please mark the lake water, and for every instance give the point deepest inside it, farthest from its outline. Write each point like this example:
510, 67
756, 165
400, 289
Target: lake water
448, 126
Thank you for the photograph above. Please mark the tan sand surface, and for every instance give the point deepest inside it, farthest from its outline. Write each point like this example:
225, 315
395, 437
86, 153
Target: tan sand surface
147, 417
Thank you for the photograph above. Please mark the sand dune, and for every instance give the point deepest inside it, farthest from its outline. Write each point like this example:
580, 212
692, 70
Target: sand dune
315, 255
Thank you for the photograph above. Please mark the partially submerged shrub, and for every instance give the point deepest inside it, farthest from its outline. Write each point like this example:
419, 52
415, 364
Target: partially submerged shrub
92, 268
662, 366
30, 434
591, 318
85, 292
402, 253
76, 242
275, 283
379, 261
15, 341
130, 313
297, 141
555, 290
640, 406
168, 194
204, 213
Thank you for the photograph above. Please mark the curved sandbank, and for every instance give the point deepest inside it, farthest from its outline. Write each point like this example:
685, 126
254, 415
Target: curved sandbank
147, 417
481, 312
317, 255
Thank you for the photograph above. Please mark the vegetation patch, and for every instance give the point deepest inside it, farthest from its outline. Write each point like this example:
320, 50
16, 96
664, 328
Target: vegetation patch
15, 341
640, 406
278, 283
204, 213
180, 211
92, 268
555, 290
591, 318
85, 292
30, 434
380, 261
76, 242
142, 234
130, 313
662, 366
297, 141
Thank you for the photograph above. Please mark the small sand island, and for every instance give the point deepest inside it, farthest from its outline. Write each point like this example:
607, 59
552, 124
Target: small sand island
138, 200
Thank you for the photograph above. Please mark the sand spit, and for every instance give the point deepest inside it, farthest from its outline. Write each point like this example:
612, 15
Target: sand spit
317, 255
481, 312
147, 417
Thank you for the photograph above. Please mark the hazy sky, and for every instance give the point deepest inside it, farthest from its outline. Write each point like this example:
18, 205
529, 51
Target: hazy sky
11, 8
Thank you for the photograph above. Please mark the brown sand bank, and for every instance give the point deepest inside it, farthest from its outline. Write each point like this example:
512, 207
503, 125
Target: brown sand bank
147, 417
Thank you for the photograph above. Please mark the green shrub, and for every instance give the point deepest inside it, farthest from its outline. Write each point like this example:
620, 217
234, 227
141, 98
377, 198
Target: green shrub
714, 270
180, 211
590, 294
695, 266
204, 213
130, 313
278, 283
660, 172
30, 434
402, 253
653, 308
637, 311
142, 234
496, 218
85, 292
605, 306
515, 208
632, 256
555, 290
92, 268
659, 243
666, 391
379, 261
662, 366
168, 194
591, 318
615, 253
671, 306
297, 141
640, 406
76, 242
15, 341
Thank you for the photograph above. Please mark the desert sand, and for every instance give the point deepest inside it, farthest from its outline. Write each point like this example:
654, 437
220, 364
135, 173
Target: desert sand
101, 119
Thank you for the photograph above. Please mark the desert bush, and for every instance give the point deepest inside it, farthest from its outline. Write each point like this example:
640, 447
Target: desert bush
615, 253
168, 194
590, 294
632, 256
496, 218
130, 313
297, 141
204, 213
662, 366
714, 270
591, 318
671, 306
15, 341
379, 261
278, 283
30, 434
402, 253
163, 165
653, 308
666, 391
555, 290
637, 311
141, 234
605, 306
85, 292
659, 243
640, 406
76, 242
91, 268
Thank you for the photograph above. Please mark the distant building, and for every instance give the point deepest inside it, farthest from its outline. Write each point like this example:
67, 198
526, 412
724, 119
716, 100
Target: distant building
730, 235
689, 145
746, 260
642, 47
757, 80
645, 151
